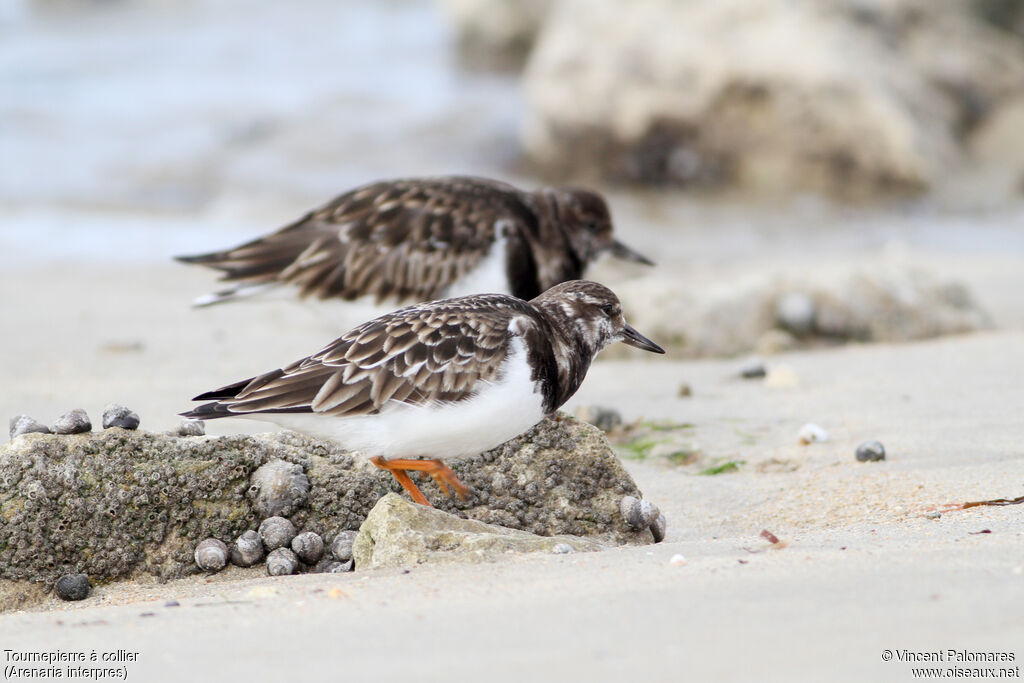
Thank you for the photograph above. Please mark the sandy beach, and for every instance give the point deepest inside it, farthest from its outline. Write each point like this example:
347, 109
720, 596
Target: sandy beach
864, 569
141, 130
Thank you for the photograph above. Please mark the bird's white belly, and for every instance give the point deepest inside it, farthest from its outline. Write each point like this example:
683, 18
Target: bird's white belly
490, 275
498, 412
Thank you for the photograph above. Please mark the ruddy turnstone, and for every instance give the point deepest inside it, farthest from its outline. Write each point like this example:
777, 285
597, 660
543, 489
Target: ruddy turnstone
440, 380
423, 239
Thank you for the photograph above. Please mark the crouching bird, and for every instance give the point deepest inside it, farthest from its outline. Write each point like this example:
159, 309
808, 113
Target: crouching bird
419, 239
439, 380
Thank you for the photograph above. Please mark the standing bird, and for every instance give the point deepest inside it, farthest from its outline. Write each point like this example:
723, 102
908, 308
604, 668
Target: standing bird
424, 239
444, 379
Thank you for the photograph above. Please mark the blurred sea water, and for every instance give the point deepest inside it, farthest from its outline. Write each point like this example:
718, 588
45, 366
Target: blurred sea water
131, 130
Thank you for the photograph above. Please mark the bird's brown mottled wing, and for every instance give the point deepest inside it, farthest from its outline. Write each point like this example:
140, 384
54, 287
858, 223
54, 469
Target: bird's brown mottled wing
403, 239
433, 352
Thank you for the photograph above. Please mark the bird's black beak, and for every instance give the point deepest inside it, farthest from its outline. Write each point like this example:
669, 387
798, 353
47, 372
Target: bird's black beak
620, 250
634, 338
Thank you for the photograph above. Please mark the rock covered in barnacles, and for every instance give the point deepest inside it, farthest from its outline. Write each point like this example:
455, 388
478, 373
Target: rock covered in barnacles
119, 416
73, 587
247, 549
278, 488
72, 422
282, 562
23, 424
308, 546
276, 532
211, 555
341, 546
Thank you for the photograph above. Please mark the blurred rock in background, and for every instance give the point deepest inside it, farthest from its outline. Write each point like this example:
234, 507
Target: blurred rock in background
852, 98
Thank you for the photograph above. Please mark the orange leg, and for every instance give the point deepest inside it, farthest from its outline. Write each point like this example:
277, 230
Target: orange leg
439, 472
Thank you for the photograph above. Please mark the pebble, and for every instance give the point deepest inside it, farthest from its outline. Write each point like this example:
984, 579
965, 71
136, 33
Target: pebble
276, 532
605, 419
753, 368
211, 555
812, 433
172, 603
658, 528
119, 416
562, 549
782, 377
796, 312
73, 587
190, 427
870, 451
685, 390
341, 546
72, 422
247, 549
308, 546
677, 560
282, 562
23, 424
933, 514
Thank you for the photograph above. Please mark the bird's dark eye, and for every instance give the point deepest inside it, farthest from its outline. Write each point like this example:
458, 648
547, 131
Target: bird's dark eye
608, 310
590, 225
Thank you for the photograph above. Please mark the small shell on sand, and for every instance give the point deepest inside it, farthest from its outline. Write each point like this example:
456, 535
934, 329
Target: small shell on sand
870, 451
73, 587
211, 555
72, 422
658, 527
23, 424
812, 433
276, 532
282, 562
247, 549
341, 546
562, 549
119, 416
308, 546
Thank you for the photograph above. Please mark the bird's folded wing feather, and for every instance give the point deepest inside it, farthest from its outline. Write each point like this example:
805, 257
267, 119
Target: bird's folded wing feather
420, 355
398, 239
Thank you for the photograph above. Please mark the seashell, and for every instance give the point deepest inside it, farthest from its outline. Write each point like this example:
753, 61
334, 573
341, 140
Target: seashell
119, 416
282, 562
333, 567
658, 528
341, 546
23, 424
211, 555
73, 587
72, 422
308, 546
190, 427
562, 549
276, 532
812, 433
677, 560
278, 488
870, 451
638, 513
753, 368
247, 549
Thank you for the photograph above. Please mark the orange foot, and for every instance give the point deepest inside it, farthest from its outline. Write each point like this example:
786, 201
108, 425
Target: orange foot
438, 471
